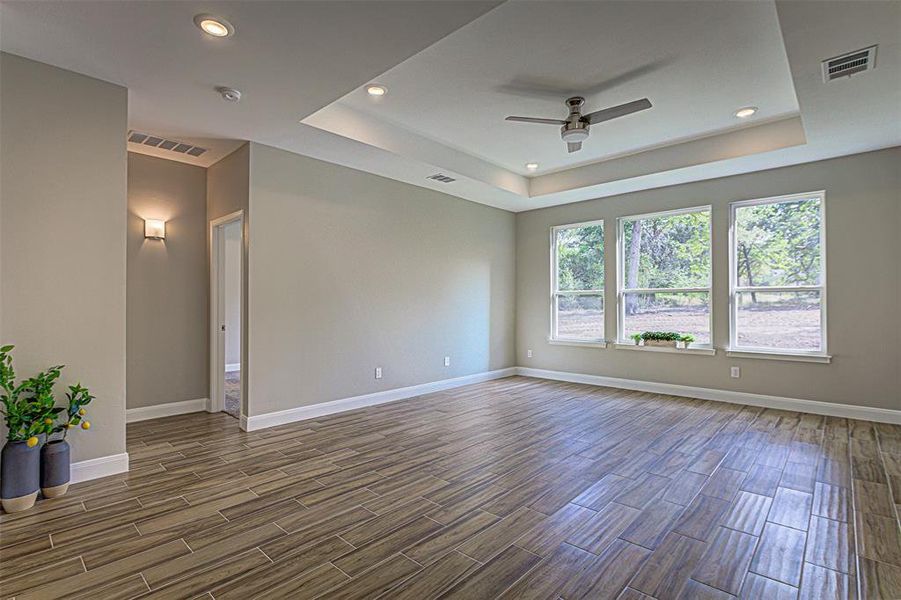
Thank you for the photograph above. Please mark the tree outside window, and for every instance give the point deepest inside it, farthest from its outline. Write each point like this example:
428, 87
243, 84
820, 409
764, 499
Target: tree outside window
664, 262
778, 284
577, 303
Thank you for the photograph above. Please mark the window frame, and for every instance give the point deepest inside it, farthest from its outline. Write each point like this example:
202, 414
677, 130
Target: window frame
735, 289
553, 336
621, 271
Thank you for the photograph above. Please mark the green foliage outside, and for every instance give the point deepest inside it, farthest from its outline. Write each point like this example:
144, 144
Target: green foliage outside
580, 258
778, 244
669, 251
672, 251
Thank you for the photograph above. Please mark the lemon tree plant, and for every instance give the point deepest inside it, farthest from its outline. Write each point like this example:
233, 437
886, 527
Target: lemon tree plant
55, 455
72, 415
25, 405
27, 408
40, 399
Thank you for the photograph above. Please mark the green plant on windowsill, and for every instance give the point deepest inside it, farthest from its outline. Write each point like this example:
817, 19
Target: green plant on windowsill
662, 338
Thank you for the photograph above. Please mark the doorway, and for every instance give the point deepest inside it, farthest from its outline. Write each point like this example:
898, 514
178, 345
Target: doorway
226, 368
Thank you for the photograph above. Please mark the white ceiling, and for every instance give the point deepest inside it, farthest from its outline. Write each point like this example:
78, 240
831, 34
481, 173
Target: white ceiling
455, 69
288, 58
696, 62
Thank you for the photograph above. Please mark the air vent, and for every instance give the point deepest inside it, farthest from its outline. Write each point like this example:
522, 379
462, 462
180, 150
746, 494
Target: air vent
145, 139
849, 64
441, 177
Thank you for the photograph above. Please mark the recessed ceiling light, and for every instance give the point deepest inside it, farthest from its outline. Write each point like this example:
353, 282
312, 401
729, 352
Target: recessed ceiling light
376, 90
532, 166
747, 111
214, 26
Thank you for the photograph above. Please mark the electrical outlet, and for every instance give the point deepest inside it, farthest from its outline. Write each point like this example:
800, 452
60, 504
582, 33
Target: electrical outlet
447, 361
529, 353
735, 372
378, 372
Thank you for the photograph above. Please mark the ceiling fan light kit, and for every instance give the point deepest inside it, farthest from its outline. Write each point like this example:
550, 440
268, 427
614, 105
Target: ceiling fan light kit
575, 129
575, 135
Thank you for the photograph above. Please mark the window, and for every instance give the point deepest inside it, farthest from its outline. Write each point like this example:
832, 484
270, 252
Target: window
577, 282
663, 266
777, 275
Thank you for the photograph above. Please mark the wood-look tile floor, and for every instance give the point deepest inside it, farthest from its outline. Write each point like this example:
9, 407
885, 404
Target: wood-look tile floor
516, 488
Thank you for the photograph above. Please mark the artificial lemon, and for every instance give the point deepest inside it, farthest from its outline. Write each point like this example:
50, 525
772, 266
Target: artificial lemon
48, 421
86, 425
82, 412
32, 441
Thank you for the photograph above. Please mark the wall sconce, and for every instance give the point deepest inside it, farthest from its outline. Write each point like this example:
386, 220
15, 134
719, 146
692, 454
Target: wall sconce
155, 229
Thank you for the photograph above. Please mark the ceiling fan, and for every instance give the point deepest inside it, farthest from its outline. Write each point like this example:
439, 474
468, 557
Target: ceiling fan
575, 127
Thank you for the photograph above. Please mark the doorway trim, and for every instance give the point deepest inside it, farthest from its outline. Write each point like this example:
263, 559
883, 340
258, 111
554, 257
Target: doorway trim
217, 305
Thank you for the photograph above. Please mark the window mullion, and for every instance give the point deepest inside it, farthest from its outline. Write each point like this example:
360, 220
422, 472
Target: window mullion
579, 293
693, 290
778, 289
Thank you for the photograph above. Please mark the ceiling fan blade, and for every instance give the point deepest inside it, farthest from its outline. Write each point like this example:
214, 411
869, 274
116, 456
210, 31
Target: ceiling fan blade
614, 112
573, 146
537, 120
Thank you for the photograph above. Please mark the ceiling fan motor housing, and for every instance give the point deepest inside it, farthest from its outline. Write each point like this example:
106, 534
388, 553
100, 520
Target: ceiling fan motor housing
575, 104
576, 129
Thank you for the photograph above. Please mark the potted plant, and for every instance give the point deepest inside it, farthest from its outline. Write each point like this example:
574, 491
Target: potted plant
668, 339
55, 456
20, 459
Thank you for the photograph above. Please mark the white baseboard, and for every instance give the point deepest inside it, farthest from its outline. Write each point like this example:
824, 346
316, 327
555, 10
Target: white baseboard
867, 413
143, 413
229, 367
302, 413
98, 467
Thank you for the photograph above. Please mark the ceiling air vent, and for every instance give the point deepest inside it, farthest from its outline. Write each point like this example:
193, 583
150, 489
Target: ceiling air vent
441, 177
145, 139
849, 64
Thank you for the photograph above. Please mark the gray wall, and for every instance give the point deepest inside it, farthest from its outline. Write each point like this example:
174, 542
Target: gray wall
863, 218
168, 284
349, 271
63, 219
227, 191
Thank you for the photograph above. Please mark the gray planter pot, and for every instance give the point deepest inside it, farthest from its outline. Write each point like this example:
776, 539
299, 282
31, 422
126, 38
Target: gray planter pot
20, 476
55, 468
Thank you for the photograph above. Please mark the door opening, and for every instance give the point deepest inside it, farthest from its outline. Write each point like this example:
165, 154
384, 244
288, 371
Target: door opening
226, 369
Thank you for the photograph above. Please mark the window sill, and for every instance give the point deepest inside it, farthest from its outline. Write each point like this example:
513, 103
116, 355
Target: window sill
811, 358
695, 351
577, 343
